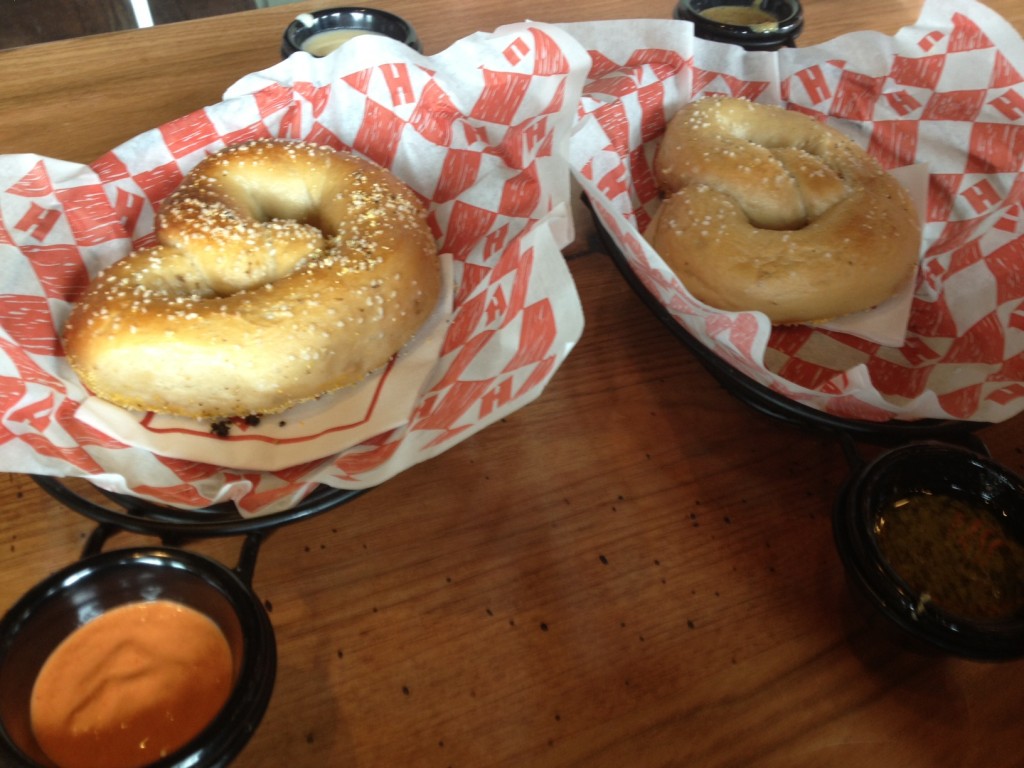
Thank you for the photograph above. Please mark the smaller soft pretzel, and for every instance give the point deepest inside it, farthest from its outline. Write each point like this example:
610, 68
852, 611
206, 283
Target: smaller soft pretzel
773, 211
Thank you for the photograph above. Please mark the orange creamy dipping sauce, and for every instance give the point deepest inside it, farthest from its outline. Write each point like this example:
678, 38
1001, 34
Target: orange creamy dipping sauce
131, 686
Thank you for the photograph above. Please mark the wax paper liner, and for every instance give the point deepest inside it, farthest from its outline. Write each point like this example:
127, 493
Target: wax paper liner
484, 144
946, 92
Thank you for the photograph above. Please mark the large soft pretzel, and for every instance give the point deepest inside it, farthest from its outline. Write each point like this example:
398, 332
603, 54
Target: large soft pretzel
284, 270
771, 210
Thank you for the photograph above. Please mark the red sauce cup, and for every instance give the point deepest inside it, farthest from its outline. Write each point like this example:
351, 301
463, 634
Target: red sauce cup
57, 606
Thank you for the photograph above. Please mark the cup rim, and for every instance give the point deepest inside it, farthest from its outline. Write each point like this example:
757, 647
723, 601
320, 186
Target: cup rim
789, 26
361, 17
227, 734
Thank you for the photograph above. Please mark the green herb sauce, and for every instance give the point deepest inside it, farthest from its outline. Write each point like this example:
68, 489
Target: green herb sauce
955, 553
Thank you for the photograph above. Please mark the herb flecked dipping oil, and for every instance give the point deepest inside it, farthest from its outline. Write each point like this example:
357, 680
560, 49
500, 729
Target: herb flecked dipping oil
954, 553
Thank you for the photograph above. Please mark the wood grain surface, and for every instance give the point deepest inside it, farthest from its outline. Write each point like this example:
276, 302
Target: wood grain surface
634, 570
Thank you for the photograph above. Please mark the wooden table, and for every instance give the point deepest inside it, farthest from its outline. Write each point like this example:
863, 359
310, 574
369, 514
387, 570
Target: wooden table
635, 570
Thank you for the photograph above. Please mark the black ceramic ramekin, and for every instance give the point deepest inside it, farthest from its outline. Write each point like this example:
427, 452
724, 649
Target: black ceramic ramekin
60, 604
380, 22
788, 14
930, 468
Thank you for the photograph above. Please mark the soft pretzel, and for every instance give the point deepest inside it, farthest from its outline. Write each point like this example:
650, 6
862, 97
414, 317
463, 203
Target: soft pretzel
771, 210
284, 270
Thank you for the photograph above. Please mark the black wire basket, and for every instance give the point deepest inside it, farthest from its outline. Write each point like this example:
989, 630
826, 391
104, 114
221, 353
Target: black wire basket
137, 515
772, 403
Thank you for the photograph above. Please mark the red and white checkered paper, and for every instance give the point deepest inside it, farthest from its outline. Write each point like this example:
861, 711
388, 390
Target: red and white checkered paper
948, 92
484, 143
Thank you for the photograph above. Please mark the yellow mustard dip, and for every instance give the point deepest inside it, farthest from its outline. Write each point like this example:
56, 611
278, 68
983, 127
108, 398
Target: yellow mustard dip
742, 16
323, 43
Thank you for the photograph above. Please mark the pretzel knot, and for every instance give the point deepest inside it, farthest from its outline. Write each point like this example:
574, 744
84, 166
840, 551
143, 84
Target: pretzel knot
773, 211
284, 270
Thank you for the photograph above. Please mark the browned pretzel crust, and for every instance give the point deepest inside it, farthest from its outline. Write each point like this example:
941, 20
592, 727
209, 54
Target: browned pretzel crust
771, 210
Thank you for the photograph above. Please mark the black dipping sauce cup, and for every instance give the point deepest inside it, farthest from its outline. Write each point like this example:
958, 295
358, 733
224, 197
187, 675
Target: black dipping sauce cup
306, 25
788, 15
939, 469
56, 607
